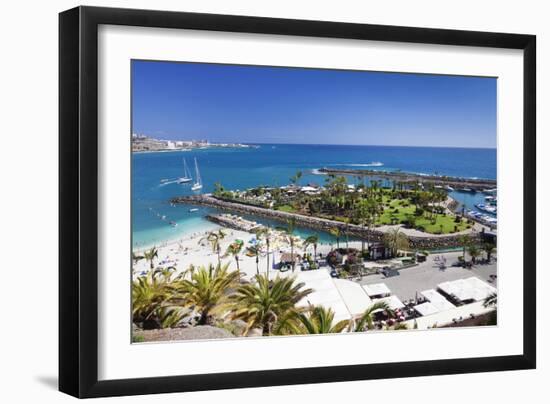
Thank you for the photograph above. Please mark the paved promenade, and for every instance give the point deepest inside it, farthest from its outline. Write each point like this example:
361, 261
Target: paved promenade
428, 275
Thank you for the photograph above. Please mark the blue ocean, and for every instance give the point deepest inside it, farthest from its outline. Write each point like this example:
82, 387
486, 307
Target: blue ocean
274, 165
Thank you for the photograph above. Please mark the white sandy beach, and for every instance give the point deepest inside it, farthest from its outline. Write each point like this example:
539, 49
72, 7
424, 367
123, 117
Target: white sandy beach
190, 251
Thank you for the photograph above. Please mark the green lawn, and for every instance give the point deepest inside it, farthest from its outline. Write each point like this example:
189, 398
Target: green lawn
286, 208
399, 210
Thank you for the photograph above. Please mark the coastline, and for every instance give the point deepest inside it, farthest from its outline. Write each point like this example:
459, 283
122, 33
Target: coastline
190, 149
183, 252
245, 175
205, 227
417, 240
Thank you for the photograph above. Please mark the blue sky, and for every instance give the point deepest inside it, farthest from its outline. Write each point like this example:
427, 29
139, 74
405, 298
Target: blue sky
228, 103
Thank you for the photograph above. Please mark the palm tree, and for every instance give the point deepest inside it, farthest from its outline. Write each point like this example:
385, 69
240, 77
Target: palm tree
171, 316
218, 188
336, 233
489, 249
474, 252
319, 320
362, 214
267, 304
150, 256
399, 326
214, 238
265, 233
289, 230
312, 240
296, 178
136, 258
336, 185
153, 299
234, 249
490, 300
207, 290
396, 240
464, 241
374, 209
255, 250
346, 232
366, 320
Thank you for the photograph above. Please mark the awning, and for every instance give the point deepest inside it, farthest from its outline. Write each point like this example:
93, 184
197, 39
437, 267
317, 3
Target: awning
467, 289
392, 301
346, 298
377, 289
437, 299
353, 295
425, 309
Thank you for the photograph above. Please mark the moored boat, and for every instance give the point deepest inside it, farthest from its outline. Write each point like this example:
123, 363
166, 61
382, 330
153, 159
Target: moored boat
486, 208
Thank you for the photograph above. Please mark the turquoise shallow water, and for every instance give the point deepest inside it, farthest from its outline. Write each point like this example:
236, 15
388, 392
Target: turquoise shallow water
274, 165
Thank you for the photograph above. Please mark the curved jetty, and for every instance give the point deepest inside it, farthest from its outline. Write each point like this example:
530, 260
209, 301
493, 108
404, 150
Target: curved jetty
477, 184
235, 222
430, 241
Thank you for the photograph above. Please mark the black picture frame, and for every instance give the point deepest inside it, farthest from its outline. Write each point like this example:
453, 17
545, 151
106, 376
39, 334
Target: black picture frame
78, 196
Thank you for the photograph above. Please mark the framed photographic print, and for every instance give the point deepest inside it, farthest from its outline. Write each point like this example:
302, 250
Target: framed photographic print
251, 201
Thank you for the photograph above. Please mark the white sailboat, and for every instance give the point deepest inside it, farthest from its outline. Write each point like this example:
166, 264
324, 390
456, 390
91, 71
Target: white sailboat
186, 174
198, 182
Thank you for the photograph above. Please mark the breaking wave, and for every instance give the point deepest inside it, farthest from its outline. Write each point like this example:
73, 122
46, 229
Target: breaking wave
372, 164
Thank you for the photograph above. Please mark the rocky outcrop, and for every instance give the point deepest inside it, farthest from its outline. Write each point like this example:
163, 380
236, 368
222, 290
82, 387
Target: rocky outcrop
437, 243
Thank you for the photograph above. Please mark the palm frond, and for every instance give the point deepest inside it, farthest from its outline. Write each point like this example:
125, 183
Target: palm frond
268, 304
366, 320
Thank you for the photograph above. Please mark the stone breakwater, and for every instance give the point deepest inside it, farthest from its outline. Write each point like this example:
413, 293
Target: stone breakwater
236, 223
430, 241
477, 184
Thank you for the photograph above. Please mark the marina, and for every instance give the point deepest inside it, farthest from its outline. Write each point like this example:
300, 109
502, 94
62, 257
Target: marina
418, 240
250, 234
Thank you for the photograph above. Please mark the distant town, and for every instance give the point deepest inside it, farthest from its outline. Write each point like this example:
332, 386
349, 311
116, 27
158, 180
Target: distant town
144, 143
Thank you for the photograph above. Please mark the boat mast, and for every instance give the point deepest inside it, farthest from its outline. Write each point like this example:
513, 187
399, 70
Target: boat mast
186, 173
198, 176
